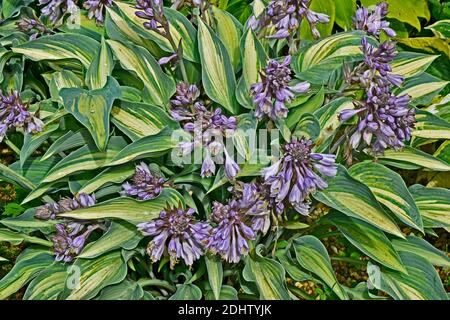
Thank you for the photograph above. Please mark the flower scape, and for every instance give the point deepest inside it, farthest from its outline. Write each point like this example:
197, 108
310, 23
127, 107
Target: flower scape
278, 149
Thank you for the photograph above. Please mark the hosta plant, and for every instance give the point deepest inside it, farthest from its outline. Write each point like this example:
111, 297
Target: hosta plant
224, 149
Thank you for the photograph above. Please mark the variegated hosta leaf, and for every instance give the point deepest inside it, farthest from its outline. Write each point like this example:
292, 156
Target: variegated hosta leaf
267, 274
126, 290
61, 46
49, 283
85, 158
59, 80
411, 158
187, 291
421, 282
316, 62
69, 140
433, 204
430, 126
421, 89
422, 248
150, 146
29, 263
138, 120
181, 30
120, 234
217, 71
15, 238
390, 190
229, 31
313, 256
100, 68
129, 209
158, 86
92, 108
254, 59
410, 64
441, 28
370, 240
215, 274
26, 223
226, 293
118, 29
355, 199
94, 275
34, 141
109, 175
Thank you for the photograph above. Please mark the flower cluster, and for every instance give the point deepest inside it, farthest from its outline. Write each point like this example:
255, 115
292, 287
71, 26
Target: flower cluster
372, 21
70, 239
96, 9
177, 229
384, 120
144, 185
295, 176
14, 114
273, 92
55, 9
208, 129
238, 222
153, 11
33, 27
286, 16
51, 210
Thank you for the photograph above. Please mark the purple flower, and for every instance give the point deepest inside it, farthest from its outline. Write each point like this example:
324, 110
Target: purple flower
273, 92
372, 21
144, 185
297, 174
238, 222
96, 9
285, 16
378, 59
55, 9
14, 114
176, 229
185, 95
51, 210
32, 27
70, 239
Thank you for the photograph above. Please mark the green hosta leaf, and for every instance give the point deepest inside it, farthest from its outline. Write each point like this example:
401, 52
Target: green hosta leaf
345, 10
323, 6
29, 263
181, 30
138, 120
292, 268
59, 80
26, 223
85, 158
226, 293
109, 175
308, 126
95, 275
11, 175
355, 199
101, 68
126, 290
407, 11
441, 28
119, 235
158, 86
247, 170
49, 283
151, 146
312, 256
129, 209
316, 62
311, 105
92, 108
433, 204
215, 274
390, 190
187, 292
421, 282
217, 71
267, 274
410, 64
33, 169
33, 141
254, 59
421, 89
245, 135
16, 238
229, 31
118, 29
421, 247
414, 157
430, 126
68, 141
60, 46
370, 240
